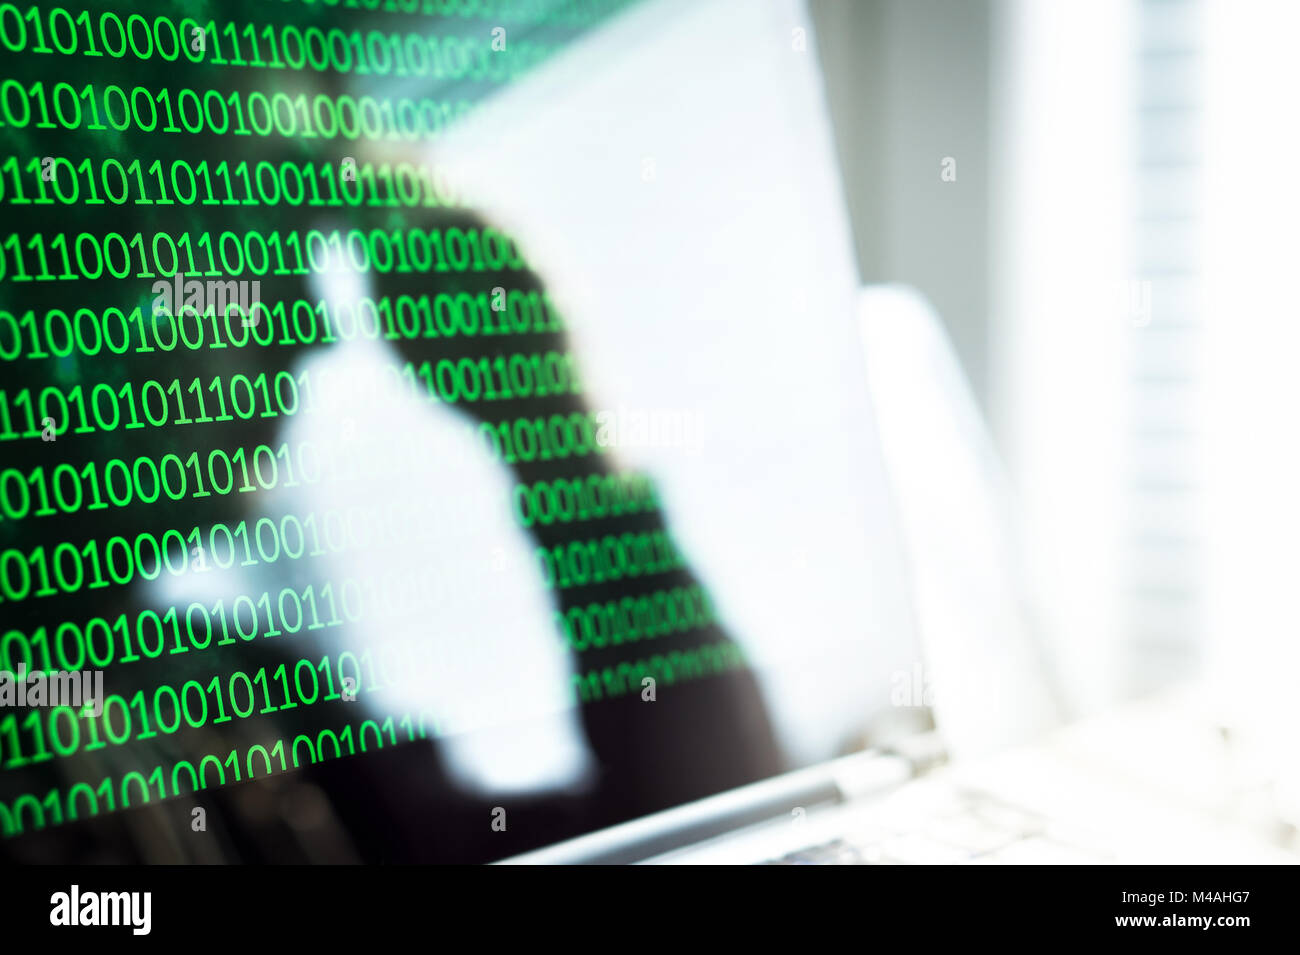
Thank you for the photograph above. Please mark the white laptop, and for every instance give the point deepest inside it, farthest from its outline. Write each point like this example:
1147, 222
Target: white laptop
674, 178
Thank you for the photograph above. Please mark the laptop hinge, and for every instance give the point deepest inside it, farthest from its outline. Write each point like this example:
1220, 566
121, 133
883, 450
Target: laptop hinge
663, 832
923, 751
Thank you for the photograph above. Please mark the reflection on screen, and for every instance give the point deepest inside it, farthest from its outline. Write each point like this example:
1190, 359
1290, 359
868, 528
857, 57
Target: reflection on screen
317, 540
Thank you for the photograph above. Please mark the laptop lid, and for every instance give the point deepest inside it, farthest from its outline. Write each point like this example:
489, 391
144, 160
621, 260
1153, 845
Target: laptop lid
988, 671
564, 504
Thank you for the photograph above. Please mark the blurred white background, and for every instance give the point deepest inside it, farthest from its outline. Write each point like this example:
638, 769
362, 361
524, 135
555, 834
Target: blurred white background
1114, 264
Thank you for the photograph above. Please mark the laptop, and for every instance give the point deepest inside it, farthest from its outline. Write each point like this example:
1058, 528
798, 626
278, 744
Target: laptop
561, 503
952, 669
739, 210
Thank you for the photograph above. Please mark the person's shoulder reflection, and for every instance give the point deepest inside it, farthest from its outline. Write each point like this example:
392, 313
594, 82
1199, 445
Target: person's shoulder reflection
483, 653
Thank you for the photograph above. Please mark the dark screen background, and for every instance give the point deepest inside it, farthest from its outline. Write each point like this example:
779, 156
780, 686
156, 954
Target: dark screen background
398, 803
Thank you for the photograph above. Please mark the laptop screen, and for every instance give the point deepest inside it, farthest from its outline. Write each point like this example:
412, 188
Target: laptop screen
429, 429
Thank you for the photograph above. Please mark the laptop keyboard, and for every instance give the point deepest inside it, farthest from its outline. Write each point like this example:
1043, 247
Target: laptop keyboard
972, 828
